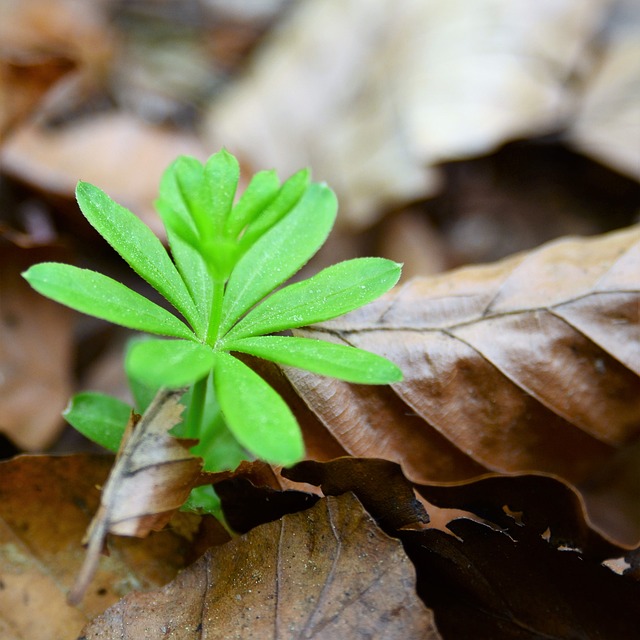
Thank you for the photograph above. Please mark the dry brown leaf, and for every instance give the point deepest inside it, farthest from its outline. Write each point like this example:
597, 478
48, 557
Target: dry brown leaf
151, 478
45, 506
527, 364
328, 572
23, 83
35, 353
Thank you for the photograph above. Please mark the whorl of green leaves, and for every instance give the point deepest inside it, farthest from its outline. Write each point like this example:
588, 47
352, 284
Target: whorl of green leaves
229, 258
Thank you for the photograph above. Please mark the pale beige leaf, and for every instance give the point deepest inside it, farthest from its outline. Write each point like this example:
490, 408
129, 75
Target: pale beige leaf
374, 95
608, 120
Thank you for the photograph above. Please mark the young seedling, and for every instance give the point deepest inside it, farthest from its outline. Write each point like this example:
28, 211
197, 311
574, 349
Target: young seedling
228, 260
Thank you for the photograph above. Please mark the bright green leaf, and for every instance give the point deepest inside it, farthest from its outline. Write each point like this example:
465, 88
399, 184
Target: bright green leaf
325, 358
334, 291
279, 253
181, 193
99, 417
139, 247
221, 175
288, 197
257, 416
195, 274
100, 296
181, 189
169, 363
143, 394
218, 448
262, 190
176, 225
204, 500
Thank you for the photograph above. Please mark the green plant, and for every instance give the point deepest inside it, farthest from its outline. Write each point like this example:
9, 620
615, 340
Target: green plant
228, 260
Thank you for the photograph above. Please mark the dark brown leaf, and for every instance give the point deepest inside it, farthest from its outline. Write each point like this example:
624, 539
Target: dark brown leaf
528, 565
483, 584
379, 484
327, 572
527, 506
246, 505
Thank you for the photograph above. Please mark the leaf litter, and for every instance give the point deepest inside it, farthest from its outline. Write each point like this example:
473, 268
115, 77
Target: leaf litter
602, 107
309, 573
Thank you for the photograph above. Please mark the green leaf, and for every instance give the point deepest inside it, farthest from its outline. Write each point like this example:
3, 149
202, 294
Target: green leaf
100, 296
169, 363
332, 292
325, 358
262, 190
218, 447
204, 500
99, 417
257, 416
139, 247
143, 394
221, 175
279, 253
195, 274
182, 190
176, 225
288, 197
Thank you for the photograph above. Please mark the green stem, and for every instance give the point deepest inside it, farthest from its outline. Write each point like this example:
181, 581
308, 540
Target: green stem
216, 312
196, 408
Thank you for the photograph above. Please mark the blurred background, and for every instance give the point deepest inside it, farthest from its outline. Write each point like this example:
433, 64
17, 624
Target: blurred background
453, 132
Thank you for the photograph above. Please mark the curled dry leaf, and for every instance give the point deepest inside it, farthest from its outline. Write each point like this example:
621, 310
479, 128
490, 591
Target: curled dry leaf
328, 572
152, 477
527, 364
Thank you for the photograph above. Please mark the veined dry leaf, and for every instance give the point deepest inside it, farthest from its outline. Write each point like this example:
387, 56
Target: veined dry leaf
527, 364
46, 503
151, 478
325, 573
